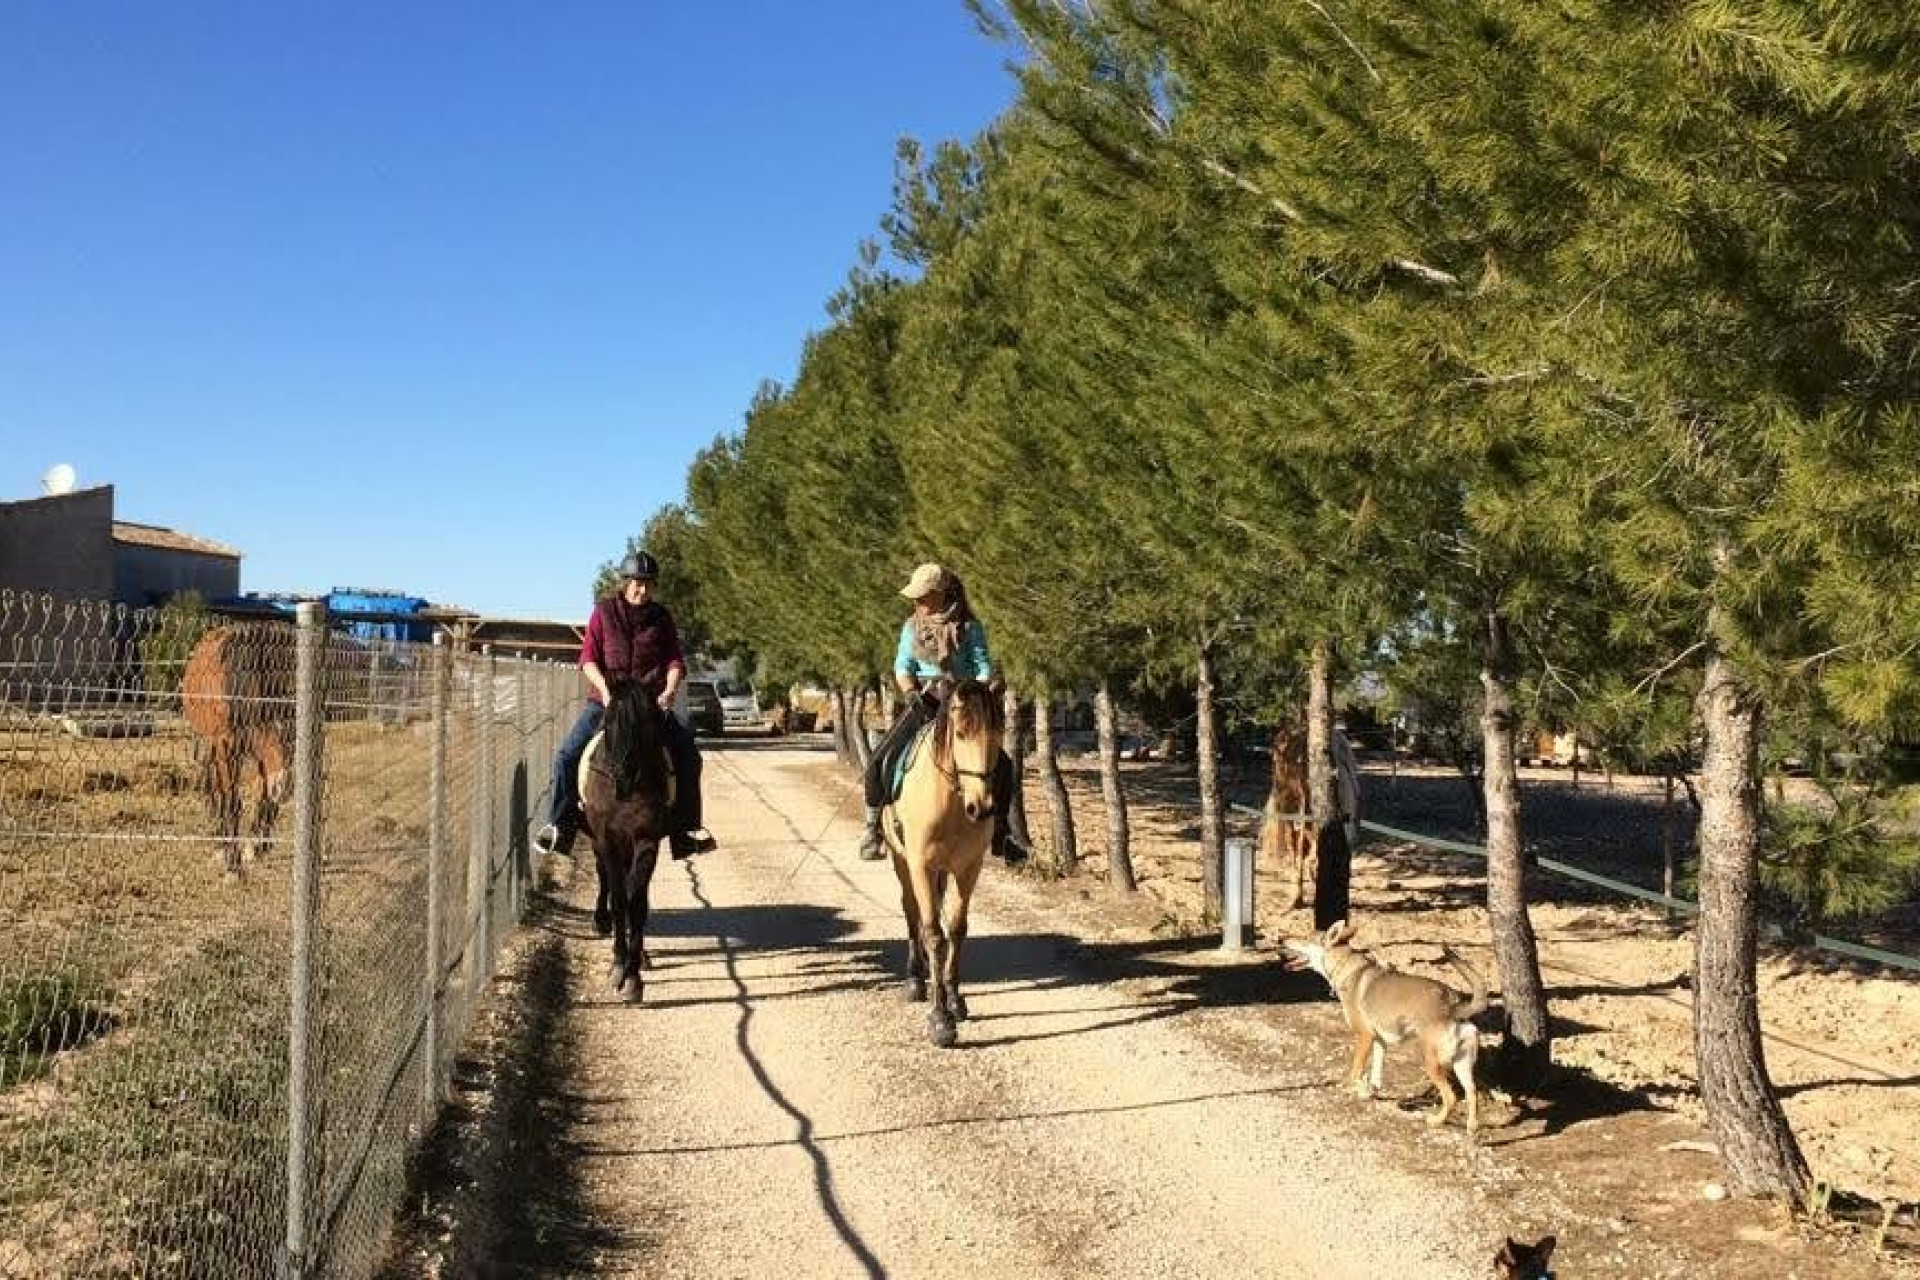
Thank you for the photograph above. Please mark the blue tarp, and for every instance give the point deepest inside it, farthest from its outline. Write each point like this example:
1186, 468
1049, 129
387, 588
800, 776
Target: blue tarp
343, 600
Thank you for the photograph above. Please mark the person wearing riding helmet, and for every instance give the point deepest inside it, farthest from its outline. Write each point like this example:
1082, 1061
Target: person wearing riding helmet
631, 637
942, 642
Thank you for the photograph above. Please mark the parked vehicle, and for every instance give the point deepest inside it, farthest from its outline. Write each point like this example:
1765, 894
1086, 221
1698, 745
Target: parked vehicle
704, 711
739, 705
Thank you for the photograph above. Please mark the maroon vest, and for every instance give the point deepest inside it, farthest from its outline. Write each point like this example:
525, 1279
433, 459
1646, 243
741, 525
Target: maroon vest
636, 642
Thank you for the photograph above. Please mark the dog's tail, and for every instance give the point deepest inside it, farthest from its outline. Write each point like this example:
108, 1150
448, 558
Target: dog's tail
1477, 1002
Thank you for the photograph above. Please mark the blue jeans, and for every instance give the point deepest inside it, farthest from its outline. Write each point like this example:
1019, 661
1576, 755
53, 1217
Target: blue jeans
564, 809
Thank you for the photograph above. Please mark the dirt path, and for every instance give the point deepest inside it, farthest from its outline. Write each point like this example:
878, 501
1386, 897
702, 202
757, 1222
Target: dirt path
774, 1109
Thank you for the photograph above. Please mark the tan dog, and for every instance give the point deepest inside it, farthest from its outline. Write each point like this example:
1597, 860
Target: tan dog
1384, 1007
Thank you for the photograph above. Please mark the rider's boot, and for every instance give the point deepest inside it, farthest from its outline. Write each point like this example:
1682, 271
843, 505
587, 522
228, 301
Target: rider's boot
1006, 848
870, 849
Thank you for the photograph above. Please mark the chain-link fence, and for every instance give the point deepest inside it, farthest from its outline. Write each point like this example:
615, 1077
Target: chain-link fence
253, 879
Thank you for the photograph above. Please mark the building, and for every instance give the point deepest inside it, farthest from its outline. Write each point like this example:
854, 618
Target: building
71, 547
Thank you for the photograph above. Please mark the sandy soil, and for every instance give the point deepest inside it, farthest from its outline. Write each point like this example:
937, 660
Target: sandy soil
1126, 1101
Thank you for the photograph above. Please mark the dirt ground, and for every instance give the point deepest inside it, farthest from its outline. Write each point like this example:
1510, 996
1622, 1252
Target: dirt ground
1843, 1039
1126, 1101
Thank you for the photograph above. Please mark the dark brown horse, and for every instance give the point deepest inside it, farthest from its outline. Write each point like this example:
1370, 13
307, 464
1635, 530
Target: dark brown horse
237, 694
626, 793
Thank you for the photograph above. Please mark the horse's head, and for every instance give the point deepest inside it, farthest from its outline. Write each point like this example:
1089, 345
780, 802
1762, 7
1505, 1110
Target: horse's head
969, 744
635, 737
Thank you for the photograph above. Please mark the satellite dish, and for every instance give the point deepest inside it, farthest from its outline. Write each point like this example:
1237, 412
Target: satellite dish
59, 479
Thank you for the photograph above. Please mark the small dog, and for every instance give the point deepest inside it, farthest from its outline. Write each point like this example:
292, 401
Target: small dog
1524, 1261
1384, 1007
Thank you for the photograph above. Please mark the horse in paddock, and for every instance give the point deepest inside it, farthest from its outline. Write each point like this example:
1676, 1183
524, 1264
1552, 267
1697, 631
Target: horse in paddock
626, 793
938, 831
236, 693
1297, 844
1290, 844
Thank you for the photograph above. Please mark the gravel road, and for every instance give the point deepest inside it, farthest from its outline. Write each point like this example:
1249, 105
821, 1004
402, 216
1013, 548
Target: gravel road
775, 1109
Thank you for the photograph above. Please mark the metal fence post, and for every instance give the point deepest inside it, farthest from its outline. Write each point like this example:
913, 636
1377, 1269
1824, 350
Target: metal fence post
476, 835
523, 834
489, 827
1236, 896
436, 857
309, 722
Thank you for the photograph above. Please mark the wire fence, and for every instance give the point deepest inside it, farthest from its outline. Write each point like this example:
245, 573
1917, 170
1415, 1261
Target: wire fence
254, 877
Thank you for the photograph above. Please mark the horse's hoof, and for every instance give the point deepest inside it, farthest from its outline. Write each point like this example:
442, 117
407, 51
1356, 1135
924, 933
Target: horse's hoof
633, 991
914, 992
603, 922
616, 975
957, 1007
941, 1032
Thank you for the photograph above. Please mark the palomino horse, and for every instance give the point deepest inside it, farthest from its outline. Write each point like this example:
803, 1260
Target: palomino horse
626, 794
237, 694
938, 832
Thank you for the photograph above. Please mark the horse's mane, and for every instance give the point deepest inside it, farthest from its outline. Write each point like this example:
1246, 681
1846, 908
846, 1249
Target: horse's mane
969, 710
633, 738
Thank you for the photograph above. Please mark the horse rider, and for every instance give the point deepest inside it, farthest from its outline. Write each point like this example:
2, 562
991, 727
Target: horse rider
940, 642
630, 637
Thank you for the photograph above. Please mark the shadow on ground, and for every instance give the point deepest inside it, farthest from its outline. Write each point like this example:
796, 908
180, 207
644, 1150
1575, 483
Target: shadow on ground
493, 1191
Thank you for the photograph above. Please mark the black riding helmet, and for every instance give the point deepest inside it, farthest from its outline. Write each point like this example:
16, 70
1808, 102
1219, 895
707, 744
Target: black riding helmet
639, 564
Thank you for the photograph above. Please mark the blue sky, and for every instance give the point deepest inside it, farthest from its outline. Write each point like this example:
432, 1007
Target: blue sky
435, 297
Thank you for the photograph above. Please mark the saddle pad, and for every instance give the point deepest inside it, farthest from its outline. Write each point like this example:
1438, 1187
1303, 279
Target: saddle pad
897, 775
586, 764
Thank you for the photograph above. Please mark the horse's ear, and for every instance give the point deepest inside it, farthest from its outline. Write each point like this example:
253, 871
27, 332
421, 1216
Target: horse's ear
1545, 1247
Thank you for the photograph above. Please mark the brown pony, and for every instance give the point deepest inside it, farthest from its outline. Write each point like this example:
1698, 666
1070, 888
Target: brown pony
938, 831
1295, 844
237, 694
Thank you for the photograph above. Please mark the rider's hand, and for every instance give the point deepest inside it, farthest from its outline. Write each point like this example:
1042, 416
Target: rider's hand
665, 700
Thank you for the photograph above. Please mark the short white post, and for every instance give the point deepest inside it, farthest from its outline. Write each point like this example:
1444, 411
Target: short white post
1236, 896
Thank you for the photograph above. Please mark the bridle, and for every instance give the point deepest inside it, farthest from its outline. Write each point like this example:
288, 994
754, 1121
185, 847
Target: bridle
956, 773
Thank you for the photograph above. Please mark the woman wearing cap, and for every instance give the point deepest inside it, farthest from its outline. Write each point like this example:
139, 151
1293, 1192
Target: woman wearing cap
631, 637
941, 641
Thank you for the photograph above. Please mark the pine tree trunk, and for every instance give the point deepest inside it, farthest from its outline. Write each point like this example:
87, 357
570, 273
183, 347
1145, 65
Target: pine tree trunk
1528, 1046
1013, 742
1743, 1112
1213, 826
857, 727
1320, 734
842, 744
1333, 882
1066, 848
1119, 838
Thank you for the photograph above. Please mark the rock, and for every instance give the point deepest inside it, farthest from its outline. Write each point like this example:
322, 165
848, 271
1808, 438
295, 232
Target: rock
1714, 1192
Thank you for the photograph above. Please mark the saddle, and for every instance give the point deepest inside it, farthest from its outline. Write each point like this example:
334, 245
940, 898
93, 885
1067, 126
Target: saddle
586, 766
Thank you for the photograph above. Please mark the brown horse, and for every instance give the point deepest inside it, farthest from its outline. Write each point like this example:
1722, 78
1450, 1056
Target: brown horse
938, 832
627, 796
237, 694
1291, 844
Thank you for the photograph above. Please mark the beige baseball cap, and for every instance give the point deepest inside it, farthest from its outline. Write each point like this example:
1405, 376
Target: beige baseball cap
926, 580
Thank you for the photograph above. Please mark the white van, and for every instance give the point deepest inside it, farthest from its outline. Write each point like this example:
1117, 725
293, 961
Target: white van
739, 705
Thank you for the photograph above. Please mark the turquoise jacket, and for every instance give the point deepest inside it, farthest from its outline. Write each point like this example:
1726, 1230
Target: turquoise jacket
970, 659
